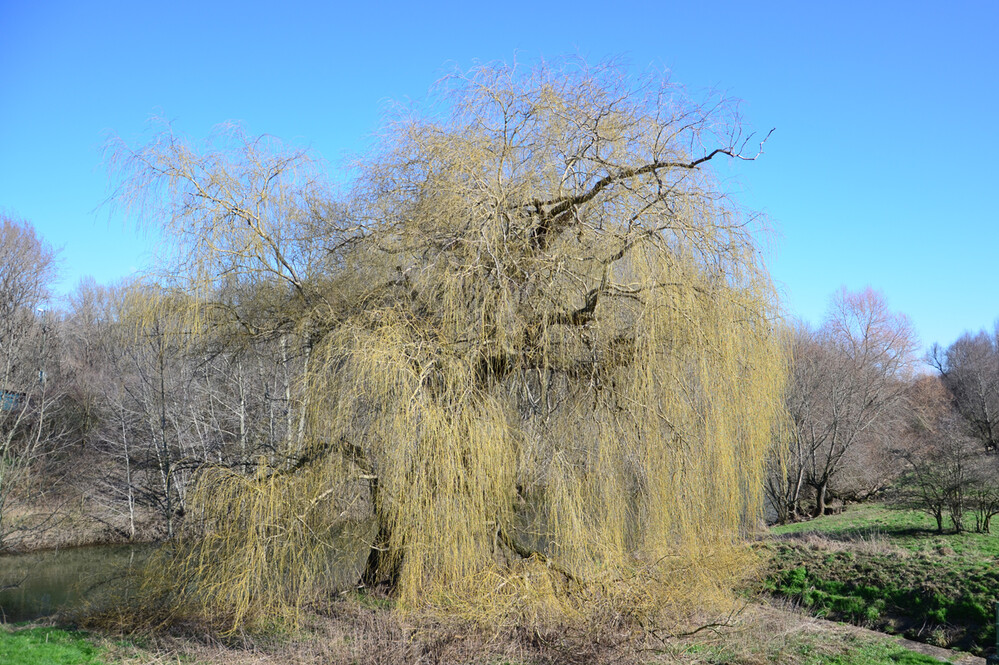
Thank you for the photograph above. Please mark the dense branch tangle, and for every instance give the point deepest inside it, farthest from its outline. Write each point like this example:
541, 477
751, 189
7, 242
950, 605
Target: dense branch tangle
552, 354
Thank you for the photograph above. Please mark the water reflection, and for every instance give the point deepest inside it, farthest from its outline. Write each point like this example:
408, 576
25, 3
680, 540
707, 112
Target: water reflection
40, 584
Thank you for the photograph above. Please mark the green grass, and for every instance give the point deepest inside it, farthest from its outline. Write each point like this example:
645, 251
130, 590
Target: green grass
889, 569
907, 529
873, 653
48, 646
371, 601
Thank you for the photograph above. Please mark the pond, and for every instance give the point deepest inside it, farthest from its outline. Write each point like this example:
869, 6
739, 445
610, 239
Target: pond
40, 584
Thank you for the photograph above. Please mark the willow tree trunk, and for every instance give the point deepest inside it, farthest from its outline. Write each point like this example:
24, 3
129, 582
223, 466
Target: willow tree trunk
381, 571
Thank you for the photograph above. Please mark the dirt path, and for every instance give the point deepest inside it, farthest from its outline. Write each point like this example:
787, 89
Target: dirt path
956, 657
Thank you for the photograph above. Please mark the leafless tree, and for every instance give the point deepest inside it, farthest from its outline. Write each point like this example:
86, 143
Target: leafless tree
970, 371
849, 376
949, 473
161, 406
27, 401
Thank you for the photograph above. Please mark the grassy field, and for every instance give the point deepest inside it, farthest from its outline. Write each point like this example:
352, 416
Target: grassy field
818, 651
890, 570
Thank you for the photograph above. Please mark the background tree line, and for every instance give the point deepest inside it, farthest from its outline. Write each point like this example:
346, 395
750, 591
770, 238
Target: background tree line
866, 422
107, 402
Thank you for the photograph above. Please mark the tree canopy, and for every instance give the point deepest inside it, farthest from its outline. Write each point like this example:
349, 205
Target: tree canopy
542, 364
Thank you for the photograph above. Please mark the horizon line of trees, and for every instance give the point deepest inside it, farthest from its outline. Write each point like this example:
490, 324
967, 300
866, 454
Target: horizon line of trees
113, 397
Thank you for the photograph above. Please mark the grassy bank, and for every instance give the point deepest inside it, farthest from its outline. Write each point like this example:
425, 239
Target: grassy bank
889, 569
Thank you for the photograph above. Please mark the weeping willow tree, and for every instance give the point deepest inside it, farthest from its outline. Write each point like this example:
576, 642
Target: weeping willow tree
541, 352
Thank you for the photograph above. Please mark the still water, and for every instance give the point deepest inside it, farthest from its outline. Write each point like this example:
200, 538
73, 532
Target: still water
40, 584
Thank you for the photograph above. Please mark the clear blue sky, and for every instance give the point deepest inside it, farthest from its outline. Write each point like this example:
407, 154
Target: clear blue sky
882, 171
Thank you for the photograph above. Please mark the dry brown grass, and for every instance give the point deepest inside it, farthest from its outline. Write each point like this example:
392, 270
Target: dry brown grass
867, 543
57, 508
351, 633
356, 635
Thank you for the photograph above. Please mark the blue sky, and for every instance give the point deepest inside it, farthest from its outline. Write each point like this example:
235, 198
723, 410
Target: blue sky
882, 170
